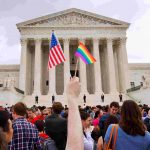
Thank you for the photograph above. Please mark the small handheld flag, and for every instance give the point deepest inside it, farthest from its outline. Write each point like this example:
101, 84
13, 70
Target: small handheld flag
56, 55
84, 54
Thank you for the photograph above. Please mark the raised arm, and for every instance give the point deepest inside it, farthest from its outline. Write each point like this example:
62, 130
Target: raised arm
75, 131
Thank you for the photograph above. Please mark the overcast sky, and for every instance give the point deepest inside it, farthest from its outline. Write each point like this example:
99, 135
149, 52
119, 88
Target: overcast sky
136, 12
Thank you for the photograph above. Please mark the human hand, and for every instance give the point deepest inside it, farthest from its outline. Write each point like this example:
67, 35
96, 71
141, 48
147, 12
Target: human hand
73, 87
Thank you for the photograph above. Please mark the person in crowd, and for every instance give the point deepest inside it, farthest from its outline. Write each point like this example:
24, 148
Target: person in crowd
76, 138
75, 130
2, 108
93, 111
102, 97
120, 97
147, 119
114, 108
56, 126
112, 119
6, 131
53, 99
36, 99
32, 117
105, 109
96, 119
96, 130
132, 133
84, 98
86, 122
25, 135
46, 112
40, 126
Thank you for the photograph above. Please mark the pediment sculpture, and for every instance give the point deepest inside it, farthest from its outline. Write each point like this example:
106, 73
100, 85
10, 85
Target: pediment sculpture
72, 19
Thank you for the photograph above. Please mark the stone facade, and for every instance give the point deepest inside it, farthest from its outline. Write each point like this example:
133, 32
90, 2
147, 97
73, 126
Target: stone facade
104, 37
9, 76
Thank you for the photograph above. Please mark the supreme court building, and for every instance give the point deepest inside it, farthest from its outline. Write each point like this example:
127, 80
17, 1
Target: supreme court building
104, 37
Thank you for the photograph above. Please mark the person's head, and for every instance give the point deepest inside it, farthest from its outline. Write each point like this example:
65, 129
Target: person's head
114, 108
86, 119
112, 119
31, 113
19, 110
131, 119
46, 112
40, 125
2, 108
97, 114
6, 131
57, 107
148, 111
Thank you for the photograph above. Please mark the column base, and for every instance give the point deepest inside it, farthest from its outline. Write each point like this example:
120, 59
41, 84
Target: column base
99, 92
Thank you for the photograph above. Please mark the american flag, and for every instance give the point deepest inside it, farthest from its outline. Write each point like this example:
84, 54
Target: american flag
56, 55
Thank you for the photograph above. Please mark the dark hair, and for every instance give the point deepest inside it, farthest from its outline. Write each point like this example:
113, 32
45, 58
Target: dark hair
4, 127
40, 125
20, 109
131, 119
112, 119
106, 108
96, 114
115, 104
147, 109
57, 107
4, 117
84, 115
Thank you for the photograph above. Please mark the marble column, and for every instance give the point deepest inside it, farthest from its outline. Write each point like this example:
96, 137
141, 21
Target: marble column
124, 72
37, 67
83, 77
66, 63
111, 67
52, 81
23, 66
97, 67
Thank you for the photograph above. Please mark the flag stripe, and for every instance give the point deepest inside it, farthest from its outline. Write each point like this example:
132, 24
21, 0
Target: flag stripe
79, 55
56, 55
57, 49
52, 59
61, 52
84, 54
59, 58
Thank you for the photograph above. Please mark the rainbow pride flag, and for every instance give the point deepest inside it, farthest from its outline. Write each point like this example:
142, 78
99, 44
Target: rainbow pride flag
84, 54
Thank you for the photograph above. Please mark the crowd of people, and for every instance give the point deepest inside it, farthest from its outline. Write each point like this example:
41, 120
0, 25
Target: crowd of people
74, 127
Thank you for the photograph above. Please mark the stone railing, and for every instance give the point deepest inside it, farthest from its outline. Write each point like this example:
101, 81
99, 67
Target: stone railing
135, 99
19, 91
134, 88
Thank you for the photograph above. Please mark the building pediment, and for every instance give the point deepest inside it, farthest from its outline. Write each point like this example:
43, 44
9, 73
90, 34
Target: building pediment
71, 18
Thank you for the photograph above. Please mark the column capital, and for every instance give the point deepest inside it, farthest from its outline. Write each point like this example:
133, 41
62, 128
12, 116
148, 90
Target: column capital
67, 40
96, 39
23, 41
82, 40
123, 39
109, 39
38, 40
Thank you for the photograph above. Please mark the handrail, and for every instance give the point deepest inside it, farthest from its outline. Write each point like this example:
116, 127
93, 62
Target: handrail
135, 99
19, 91
134, 88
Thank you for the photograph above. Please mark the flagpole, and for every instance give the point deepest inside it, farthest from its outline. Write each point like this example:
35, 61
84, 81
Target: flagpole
76, 67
